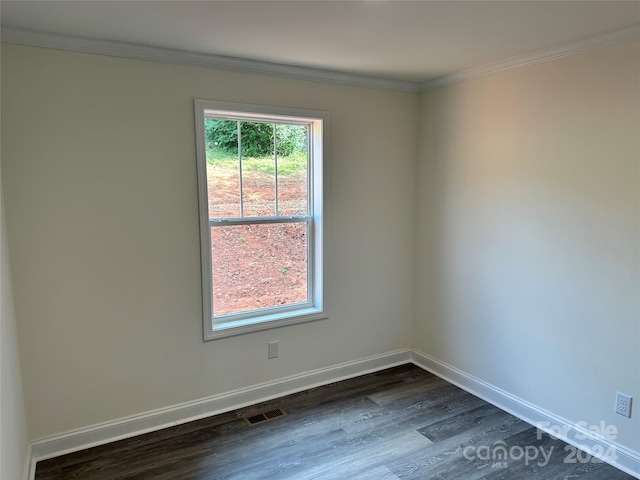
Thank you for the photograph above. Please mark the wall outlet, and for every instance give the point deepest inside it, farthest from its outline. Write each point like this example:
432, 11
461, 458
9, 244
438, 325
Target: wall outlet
274, 348
623, 404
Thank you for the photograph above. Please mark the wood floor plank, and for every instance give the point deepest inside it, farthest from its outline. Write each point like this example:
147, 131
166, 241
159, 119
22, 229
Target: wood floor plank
417, 415
550, 465
403, 390
379, 473
461, 423
366, 452
400, 423
446, 457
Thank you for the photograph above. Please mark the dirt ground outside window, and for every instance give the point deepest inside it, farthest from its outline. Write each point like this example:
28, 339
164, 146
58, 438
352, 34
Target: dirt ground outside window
257, 266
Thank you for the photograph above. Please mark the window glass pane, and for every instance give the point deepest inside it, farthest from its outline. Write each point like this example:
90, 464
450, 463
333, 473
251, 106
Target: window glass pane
258, 169
292, 169
223, 168
258, 266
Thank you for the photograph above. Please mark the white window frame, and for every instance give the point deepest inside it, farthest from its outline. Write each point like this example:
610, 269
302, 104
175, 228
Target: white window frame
267, 318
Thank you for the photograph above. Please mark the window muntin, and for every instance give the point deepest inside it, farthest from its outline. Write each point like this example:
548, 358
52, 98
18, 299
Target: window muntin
260, 182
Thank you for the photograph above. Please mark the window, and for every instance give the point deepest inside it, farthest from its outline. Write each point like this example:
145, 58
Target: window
260, 183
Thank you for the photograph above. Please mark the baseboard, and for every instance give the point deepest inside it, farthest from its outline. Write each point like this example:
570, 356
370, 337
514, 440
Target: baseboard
100, 434
626, 459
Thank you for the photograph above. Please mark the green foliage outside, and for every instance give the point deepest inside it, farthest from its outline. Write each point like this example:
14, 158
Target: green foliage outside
256, 138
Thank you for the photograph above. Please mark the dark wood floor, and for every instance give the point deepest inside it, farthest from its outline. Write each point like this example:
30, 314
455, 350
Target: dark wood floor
401, 423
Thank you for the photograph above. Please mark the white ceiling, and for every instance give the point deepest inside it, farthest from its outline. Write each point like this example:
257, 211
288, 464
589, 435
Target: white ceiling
402, 40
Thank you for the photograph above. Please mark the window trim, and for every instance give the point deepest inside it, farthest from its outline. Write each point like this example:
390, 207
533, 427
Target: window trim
275, 317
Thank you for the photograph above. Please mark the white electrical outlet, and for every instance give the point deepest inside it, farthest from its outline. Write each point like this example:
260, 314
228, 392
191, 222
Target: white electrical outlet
623, 404
274, 348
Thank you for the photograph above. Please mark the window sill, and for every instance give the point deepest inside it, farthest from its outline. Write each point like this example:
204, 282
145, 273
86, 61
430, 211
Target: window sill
264, 322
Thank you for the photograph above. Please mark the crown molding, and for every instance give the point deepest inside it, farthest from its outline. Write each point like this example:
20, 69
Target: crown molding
538, 56
194, 59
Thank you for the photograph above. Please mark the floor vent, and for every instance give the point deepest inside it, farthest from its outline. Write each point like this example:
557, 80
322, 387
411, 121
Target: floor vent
263, 417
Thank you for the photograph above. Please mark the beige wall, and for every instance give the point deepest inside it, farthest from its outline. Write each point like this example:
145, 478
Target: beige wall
13, 421
527, 239
100, 185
